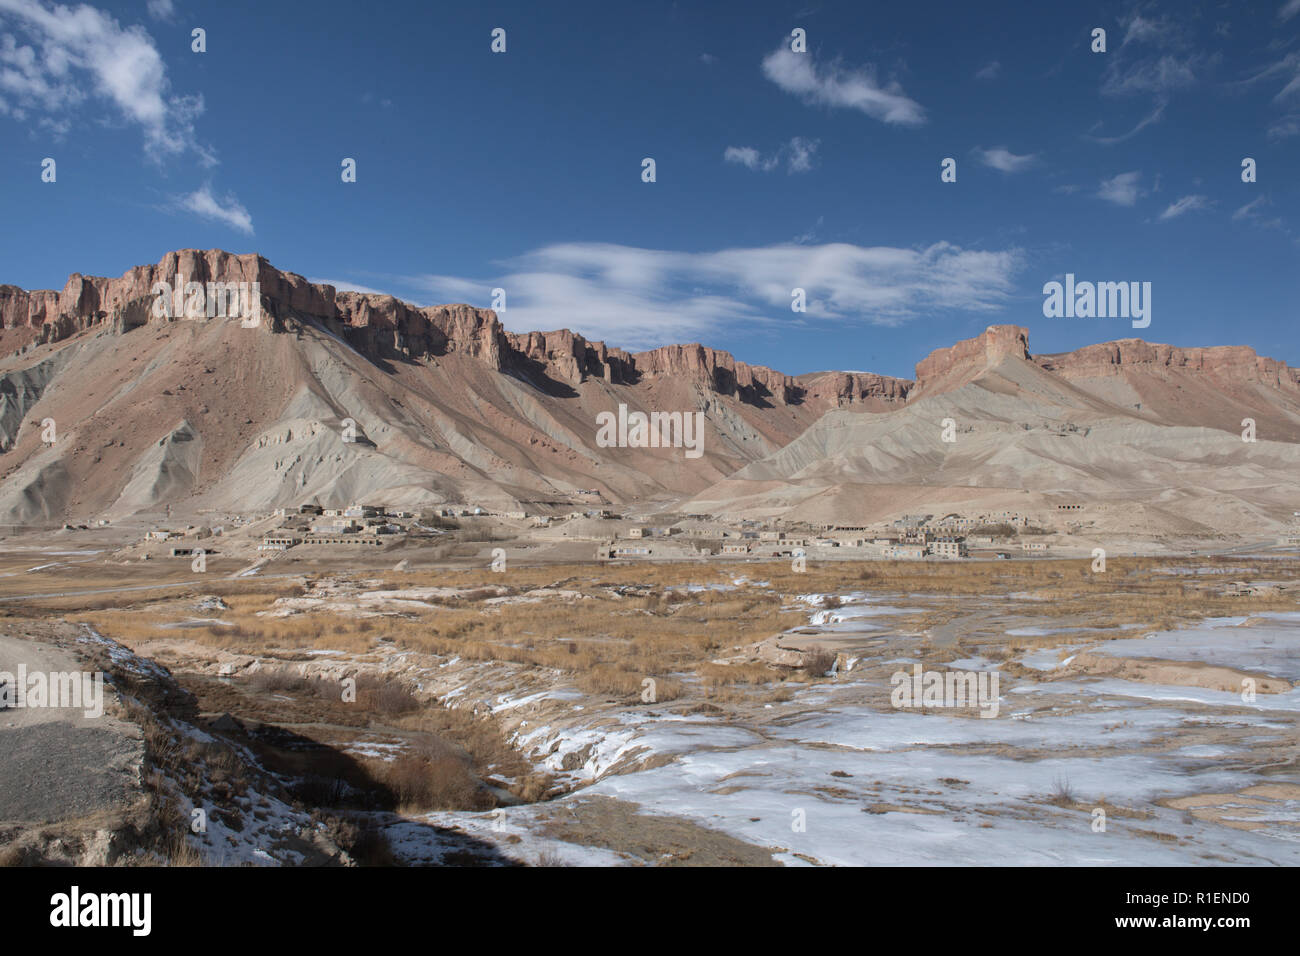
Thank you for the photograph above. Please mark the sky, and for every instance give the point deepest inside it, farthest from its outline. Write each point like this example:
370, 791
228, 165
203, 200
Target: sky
774, 168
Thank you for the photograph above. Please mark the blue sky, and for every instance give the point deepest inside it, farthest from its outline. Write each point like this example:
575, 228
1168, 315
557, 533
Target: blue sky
774, 169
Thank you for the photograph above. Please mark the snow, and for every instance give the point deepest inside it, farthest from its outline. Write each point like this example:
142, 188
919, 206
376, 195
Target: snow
1272, 648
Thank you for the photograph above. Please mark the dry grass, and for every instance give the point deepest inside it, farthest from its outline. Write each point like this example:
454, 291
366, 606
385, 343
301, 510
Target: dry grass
434, 776
630, 627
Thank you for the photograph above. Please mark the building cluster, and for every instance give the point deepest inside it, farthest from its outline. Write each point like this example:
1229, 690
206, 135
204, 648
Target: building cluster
661, 537
756, 542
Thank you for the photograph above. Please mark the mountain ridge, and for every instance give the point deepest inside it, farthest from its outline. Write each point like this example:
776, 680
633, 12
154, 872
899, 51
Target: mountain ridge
450, 406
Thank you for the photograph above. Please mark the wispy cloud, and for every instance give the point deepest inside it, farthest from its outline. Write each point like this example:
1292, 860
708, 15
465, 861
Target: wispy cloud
1284, 127
1156, 57
1122, 190
988, 71
1253, 212
748, 157
1184, 205
811, 234
637, 297
57, 58
1152, 117
798, 155
1161, 32
1286, 72
999, 157
1288, 10
1161, 75
228, 210
163, 10
835, 86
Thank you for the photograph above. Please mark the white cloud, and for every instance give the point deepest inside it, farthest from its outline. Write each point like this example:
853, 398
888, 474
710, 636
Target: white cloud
988, 71
811, 234
1185, 204
999, 157
163, 10
1122, 190
746, 156
227, 210
798, 155
1163, 74
1161, 32
1248, 210
640, 298
68, 55
836, 86
1288, 10
1253, 212
1173, 66
1152, 117
1284, 127
1286, 71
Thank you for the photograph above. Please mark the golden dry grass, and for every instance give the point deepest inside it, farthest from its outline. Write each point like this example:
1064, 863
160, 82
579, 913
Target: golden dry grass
612, 643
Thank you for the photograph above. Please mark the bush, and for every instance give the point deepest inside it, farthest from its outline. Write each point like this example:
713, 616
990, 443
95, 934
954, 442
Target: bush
387, 697
273, 680
434, 777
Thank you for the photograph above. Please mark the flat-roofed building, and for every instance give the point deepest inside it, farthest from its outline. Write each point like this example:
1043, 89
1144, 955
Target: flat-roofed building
949, 547
366, 539
905, 552
335, 526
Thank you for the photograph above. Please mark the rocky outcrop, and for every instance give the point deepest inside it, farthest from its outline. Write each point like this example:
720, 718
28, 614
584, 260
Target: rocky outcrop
946, 368
972, 356
841, 389
719, 371
379, 324
570, 357
1238, 363
372, 323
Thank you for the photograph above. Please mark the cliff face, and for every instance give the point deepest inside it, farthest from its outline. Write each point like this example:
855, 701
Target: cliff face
1238, 363
838, 389
948, 368
570, 357
381, 324
376, 324
368, 321
719, 371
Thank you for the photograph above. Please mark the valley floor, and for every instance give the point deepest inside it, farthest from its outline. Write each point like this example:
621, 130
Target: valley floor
683, 715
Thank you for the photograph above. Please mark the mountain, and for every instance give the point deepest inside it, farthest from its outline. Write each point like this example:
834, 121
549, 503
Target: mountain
449, 406
1148, 437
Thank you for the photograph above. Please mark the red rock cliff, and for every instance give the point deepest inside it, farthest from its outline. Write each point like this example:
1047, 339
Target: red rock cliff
969, 357
1238, 363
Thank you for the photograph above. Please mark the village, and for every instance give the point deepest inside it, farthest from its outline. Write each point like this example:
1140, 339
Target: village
607, 534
